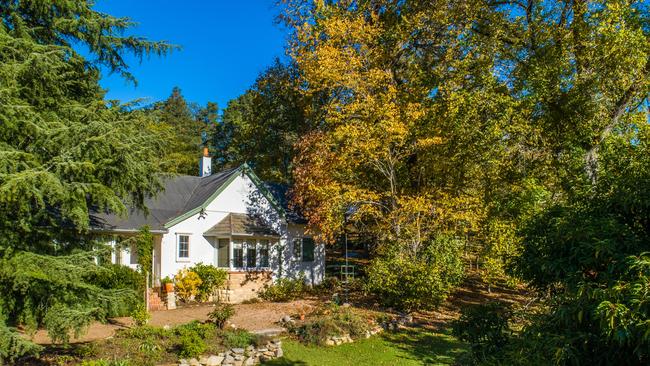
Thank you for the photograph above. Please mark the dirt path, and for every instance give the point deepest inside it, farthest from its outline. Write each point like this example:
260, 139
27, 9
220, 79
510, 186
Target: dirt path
251, 317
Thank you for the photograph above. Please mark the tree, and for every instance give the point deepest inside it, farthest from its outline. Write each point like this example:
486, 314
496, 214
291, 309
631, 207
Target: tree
185, 128
262, 126
63, 151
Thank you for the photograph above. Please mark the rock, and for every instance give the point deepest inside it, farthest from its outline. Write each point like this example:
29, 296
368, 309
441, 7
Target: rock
239, 357
214, 361
166, 327
238, 351
228, 359
238, 362
263, 349
250, 348
203, 360
194, 362
286, 319
279, 353
329, 342
182, 360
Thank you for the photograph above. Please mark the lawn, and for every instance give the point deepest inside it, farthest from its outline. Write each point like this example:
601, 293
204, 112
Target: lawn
410, 347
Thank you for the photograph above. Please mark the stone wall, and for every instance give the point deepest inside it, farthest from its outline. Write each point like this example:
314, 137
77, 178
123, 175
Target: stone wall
242, 286
239, 356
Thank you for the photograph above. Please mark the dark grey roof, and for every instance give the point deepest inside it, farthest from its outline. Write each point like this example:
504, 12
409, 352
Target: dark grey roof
282, 195
180, 194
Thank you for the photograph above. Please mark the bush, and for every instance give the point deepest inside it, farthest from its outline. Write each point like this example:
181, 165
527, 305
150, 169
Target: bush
284, 289
140, 315
238, 338
332, 321
212, 278
420, 283
221, 313
191, 336
118, 276
484, 327
187, 284
191, 345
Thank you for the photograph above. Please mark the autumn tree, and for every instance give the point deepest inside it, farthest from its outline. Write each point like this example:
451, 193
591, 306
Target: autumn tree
64, 150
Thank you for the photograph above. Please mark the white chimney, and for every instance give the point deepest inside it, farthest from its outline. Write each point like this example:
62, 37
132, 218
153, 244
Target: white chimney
205, 164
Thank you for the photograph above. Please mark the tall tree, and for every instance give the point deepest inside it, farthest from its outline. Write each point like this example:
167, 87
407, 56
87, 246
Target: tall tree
185, 126
262, 126
63, 151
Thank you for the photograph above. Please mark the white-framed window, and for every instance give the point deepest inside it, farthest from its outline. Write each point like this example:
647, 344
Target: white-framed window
238, 253
263, 253
250, 253
183, 247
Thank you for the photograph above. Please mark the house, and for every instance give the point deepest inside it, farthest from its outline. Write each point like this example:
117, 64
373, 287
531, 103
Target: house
229, 219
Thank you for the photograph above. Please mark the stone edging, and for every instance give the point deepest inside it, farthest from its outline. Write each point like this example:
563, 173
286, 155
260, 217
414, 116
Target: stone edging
239, 356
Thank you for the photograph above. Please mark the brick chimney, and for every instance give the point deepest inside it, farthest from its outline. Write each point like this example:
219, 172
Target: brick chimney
205, 164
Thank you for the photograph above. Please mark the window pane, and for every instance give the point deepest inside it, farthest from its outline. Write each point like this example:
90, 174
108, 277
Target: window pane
238, 254
251, 255
307, 250
297, 250
183, 246
264, 253
223, 253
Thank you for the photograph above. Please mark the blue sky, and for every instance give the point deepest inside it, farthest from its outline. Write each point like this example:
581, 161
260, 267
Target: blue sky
225, 45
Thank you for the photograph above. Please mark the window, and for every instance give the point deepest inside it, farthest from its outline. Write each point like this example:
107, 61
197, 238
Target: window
238, 254
183, 246
251, 254
222, 253
307, 249
297, 248
264, 253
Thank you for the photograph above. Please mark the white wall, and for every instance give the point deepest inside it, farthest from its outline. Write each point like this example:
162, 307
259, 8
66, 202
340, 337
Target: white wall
240, 196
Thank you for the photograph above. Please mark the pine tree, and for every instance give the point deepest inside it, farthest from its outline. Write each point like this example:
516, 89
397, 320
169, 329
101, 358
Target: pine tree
63, 151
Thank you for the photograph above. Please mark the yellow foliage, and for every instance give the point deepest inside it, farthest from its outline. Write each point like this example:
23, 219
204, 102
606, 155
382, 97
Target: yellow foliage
186, 284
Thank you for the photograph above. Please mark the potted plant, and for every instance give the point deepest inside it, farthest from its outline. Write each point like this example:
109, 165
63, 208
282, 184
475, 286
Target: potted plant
167, 284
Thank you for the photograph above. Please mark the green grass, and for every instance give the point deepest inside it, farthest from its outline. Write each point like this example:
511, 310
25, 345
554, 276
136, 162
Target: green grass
412, 347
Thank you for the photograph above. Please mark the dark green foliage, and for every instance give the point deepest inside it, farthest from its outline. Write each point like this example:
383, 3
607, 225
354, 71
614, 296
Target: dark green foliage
63, 151
184, 128
14, 346
221, 313
118, 276
485, 327
591, 255
284, 289
417, 283
261, 126
212, 278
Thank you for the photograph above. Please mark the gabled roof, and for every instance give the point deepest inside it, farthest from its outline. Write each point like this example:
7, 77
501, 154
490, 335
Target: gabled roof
181, 197
180, 194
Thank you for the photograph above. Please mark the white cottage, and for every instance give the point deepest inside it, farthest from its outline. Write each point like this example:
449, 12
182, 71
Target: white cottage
229, 219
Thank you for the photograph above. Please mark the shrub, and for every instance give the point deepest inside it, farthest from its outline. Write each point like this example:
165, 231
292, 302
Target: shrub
140, 315
484, 327
191, 345
238, 338
419, 283
203, 330
221, 313
332, 321
284, 289
187, 284
212, 278
118, 276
